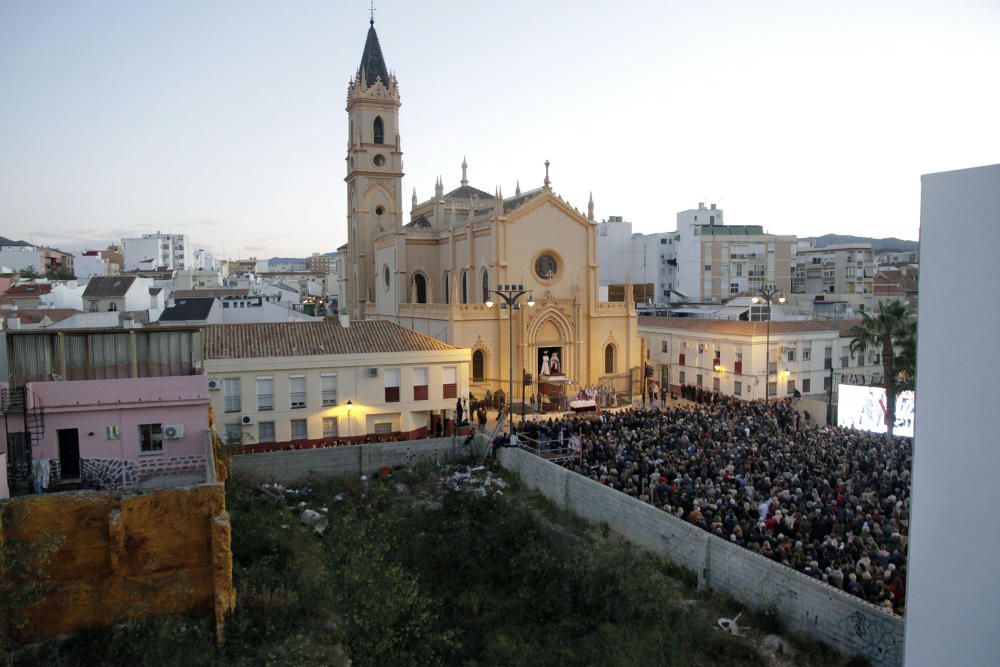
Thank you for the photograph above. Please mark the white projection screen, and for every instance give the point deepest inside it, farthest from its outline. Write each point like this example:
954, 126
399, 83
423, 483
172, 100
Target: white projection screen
863, 408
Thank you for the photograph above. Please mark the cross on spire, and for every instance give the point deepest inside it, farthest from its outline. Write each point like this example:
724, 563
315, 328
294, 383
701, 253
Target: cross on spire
371, 20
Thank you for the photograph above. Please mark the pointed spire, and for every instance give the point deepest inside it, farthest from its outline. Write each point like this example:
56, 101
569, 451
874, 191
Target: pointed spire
517, 190
438, 188
414, 198
372, 65
590, 207
465, 169
547, 183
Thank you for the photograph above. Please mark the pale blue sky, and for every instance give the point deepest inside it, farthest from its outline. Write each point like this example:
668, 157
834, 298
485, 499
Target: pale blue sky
225, 120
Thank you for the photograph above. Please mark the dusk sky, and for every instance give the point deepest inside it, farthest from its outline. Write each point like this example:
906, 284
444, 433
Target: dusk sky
225, 120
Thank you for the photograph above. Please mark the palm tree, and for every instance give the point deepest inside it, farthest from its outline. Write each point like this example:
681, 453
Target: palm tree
893, 333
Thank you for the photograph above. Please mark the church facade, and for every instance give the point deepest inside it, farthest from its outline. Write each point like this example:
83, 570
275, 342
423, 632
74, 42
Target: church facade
437, 273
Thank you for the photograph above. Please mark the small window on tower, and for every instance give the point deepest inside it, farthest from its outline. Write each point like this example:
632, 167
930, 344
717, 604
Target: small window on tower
379, 210
378, 129
379, 160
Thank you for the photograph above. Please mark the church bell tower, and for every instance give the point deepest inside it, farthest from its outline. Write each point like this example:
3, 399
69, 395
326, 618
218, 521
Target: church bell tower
374, 176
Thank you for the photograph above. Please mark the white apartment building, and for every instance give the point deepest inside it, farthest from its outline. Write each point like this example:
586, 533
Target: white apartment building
157, 251
645, 259
89, 264
731, 356
303, 381
716, 261
834, 269
203, 260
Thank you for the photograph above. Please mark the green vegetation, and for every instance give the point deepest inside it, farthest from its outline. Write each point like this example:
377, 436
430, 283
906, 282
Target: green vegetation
423, 576
893, 334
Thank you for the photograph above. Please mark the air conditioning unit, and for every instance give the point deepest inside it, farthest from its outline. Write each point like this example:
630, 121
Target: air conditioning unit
372, 372
173, 431
214, 384
246, 420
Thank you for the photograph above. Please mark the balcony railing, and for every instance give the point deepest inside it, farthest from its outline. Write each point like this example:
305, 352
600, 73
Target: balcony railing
233, 404
265, 401
329, 398
298, 400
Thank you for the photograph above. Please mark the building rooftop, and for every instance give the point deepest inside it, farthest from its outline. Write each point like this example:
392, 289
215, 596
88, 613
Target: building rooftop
211, 292
744, 327
191, 309
36, 315
291, 339
28, 289
108, 286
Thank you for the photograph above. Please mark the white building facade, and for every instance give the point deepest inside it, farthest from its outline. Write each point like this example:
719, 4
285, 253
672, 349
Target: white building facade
157, 251
731, 356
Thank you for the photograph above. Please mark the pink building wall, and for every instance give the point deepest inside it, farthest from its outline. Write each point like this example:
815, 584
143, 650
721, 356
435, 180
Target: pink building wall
92, 406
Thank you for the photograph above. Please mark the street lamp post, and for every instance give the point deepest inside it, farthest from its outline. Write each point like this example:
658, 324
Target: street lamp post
350, 405
768, 295
511, 294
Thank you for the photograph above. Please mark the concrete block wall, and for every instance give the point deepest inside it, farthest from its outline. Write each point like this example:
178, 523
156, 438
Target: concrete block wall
806, 605
301, 465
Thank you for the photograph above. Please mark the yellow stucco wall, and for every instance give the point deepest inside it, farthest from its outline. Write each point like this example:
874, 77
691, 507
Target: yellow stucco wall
102, 558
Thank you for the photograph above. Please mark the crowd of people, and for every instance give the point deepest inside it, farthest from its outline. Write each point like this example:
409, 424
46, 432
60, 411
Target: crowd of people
831, 503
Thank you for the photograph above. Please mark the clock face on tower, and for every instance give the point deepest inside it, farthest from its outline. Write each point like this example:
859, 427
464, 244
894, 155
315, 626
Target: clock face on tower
545, 266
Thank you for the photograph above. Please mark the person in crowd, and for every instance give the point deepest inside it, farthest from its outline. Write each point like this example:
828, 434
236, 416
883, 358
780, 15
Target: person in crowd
831, 503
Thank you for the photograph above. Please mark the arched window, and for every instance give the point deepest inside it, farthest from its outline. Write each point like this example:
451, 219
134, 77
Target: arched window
465, 286
447, 287
486, 285
379, 132
478, 365
609, 359
420, 288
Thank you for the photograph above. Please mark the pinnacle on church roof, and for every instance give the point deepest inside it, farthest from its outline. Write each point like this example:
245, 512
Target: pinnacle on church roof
372, 62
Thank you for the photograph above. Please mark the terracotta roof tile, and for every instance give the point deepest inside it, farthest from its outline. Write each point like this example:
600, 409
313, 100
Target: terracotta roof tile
29, 289
290, 339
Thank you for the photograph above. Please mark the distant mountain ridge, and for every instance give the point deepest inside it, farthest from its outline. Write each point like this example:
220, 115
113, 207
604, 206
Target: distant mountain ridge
6, 241
878, 245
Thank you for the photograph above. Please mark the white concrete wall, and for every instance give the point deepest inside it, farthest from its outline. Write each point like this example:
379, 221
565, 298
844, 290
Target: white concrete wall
846, 623
136, 250
953, 594
303, 465
88, 266
66, 295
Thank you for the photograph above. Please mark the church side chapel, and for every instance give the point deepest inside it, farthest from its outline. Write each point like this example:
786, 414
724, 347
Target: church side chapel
438, 273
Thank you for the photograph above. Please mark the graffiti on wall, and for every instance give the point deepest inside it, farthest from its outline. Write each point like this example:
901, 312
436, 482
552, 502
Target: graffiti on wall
874, 637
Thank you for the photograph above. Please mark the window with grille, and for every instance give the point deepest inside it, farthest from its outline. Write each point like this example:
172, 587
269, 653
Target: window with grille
265, 393
329, 382
420, 392
265, 431
790, 389
772, 388
827, 384
697, 379
716, 384
738, 388
806, 354
383, 428
609, 359
297, 391
680, 377
449, 382
150, 438
234, 433
231, 390
391, 377
664, 346
806, 385
300, 429
329, 427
